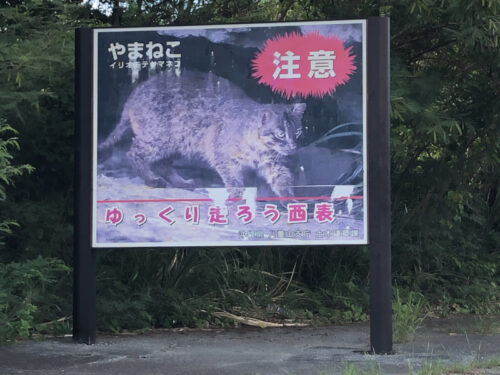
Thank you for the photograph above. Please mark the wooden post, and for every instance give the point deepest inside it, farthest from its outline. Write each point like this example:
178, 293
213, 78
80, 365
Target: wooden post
84, 274
379, 184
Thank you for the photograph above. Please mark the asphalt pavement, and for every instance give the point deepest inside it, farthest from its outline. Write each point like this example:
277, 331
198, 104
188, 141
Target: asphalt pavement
250, 350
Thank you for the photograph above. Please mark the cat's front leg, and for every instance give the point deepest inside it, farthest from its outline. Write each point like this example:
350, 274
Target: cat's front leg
231, 175
279, 177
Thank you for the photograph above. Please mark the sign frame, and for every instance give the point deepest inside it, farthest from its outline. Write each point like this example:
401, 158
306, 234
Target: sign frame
190, 239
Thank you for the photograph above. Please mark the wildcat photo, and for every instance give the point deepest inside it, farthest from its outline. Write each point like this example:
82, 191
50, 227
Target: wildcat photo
229, 135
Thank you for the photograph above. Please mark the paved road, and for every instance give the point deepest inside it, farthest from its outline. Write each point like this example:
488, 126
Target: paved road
283, 351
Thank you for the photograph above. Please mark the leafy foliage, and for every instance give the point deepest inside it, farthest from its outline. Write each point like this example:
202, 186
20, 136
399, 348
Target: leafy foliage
8, 171
445, 156
24, 285
27, 295
36, 75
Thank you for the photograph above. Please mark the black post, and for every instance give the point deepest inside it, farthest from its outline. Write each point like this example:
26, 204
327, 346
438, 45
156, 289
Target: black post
84, 275
379, 185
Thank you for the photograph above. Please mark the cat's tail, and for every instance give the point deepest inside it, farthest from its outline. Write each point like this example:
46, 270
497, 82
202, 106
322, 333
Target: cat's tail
118, 134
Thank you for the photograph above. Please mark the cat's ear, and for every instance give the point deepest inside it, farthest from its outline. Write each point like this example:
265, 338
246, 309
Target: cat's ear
299, 108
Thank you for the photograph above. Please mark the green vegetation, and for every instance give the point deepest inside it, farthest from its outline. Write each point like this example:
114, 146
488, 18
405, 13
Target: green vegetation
350, 369
439, 368
8, 143
407, 315
445, 177
431, 368
27, 296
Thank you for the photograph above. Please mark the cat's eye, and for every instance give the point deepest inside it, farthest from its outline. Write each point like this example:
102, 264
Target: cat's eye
280, 133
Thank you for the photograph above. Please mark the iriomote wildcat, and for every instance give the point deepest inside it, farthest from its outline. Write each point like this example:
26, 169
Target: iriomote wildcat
200, 115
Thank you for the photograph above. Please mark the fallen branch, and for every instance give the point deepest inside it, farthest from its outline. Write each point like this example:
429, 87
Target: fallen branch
255, 322
60, 320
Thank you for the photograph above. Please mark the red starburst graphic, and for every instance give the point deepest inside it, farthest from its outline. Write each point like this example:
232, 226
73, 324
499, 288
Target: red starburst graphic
304, 65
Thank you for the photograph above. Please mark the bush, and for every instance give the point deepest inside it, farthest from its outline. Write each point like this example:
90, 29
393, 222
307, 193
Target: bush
27, 294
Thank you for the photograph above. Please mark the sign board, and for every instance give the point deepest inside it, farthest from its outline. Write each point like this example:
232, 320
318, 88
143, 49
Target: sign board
234, 135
